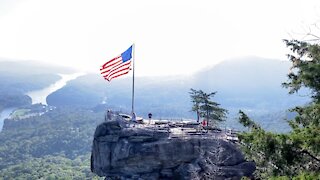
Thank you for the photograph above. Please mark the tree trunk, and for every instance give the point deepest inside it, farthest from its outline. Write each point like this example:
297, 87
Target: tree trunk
207, 117
198, 116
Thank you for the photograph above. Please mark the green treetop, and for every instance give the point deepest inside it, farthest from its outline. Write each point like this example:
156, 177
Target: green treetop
295, 155
305, 70
206, 108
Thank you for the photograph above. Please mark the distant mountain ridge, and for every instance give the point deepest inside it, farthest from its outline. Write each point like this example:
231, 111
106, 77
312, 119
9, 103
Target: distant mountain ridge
253, 84
247, 81
29, 75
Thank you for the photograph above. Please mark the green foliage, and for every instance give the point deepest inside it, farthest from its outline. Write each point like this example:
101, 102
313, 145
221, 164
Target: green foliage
55, 145
19, 112
246, 121
305, 67
196, 101
295, 155
50, 167
307, 176
13, 99
300, 176
206, 108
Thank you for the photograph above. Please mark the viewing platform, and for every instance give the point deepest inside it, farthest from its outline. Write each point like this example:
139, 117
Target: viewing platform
176, 128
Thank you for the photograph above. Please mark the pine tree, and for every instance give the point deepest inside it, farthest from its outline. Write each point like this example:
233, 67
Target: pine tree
206, 108
196, 101
295, 155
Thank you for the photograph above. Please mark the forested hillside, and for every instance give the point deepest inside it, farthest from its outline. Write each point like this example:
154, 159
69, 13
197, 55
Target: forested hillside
56, 144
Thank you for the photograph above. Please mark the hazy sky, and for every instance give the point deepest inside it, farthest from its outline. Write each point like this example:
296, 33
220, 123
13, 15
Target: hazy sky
171, 36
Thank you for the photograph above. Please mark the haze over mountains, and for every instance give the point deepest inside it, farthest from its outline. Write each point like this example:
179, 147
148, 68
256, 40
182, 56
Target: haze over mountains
19, 77
251, 84
28, 75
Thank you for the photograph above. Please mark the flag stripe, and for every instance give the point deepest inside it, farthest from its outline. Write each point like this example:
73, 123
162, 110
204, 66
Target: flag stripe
109, 68
119, 71
114, 64
104, 66
118, 75
124, 69
117, 66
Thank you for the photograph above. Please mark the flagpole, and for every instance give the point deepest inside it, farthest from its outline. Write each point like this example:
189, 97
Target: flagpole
133, 59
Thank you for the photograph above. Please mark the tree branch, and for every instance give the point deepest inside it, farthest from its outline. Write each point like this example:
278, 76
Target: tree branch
309, 154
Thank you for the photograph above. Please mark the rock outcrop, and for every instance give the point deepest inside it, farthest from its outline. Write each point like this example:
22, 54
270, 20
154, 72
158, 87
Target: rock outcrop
119, 152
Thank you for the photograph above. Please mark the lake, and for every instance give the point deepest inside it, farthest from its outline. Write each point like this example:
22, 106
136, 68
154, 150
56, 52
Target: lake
40, 96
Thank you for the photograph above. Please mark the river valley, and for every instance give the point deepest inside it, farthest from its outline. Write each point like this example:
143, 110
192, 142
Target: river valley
40, 96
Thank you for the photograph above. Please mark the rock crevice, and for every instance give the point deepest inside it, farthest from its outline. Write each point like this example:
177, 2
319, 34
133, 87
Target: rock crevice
119, 152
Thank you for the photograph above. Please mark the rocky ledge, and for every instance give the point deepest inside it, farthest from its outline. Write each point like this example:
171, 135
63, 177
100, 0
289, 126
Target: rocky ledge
119, 152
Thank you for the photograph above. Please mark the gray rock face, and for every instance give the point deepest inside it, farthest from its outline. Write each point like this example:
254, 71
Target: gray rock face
142, 153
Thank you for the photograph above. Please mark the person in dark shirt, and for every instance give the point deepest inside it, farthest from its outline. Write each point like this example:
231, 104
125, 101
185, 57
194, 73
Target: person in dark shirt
109, 115
150, 116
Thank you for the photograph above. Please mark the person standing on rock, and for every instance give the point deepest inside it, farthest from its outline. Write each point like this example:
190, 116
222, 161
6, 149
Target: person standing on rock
204, 123
109, 115
150, 116
134, 119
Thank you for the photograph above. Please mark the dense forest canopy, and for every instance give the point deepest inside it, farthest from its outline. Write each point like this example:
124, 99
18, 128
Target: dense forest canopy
55, 145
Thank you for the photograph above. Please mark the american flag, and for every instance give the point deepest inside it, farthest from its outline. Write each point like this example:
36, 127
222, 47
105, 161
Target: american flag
117, 66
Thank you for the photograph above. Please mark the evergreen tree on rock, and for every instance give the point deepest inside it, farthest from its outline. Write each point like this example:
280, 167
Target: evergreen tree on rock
206, 108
